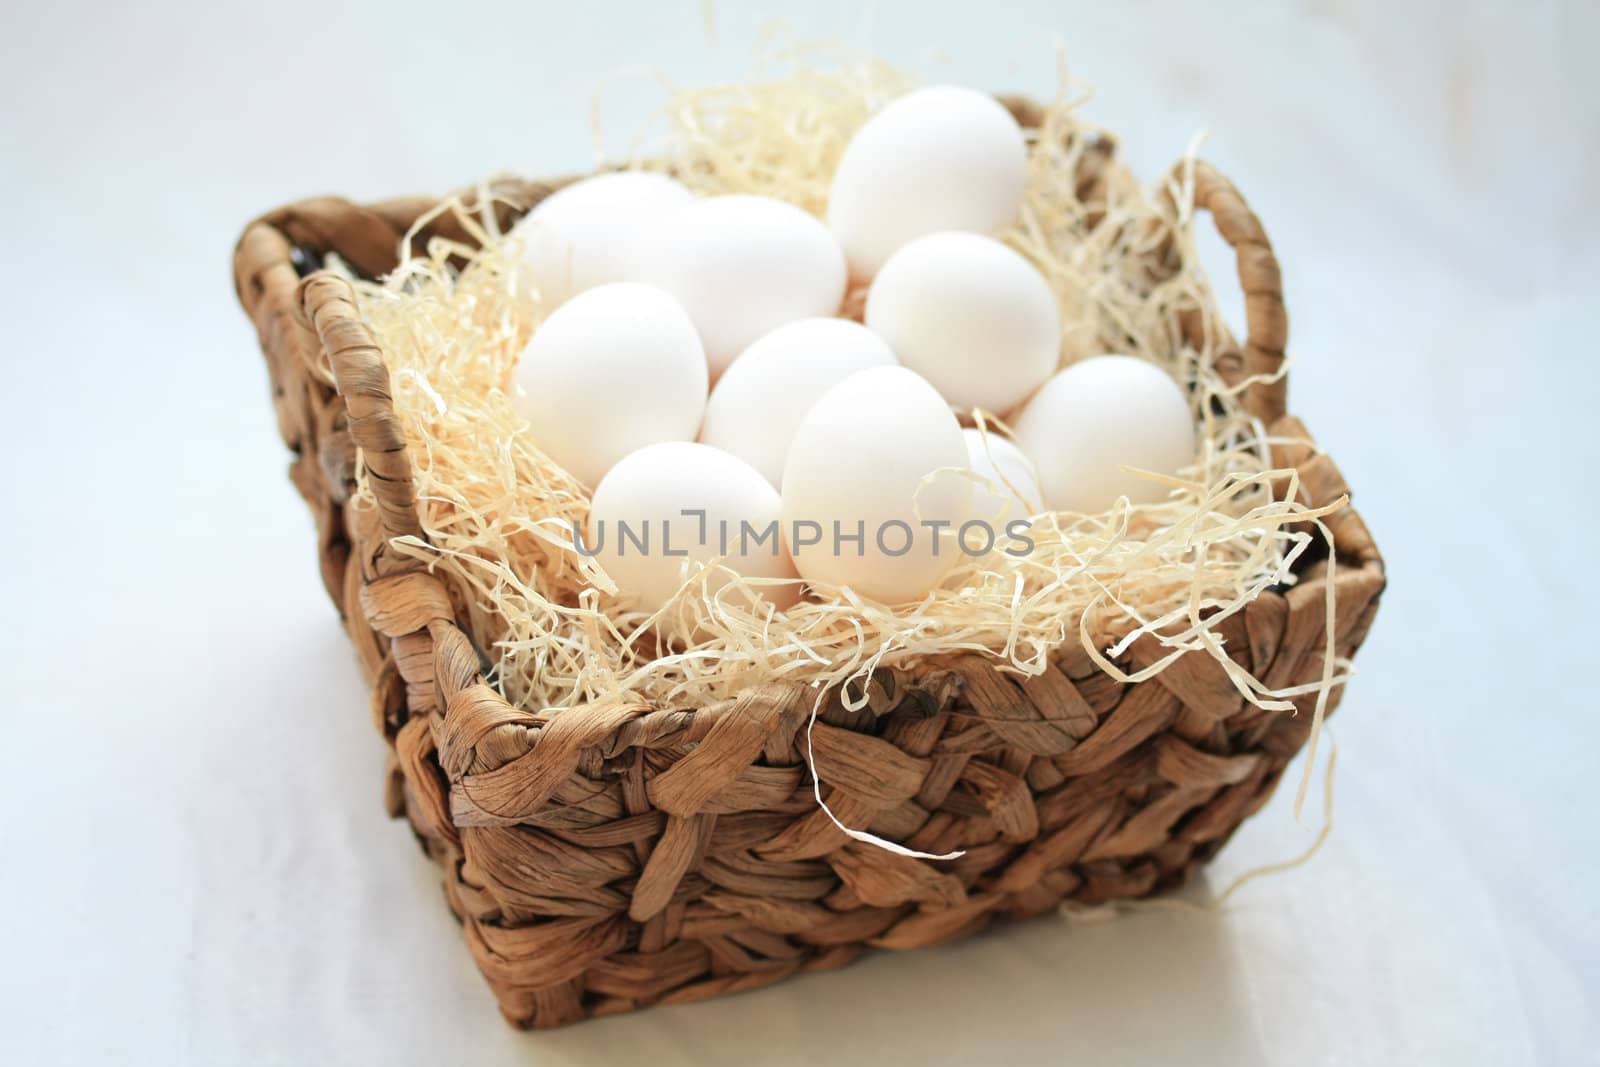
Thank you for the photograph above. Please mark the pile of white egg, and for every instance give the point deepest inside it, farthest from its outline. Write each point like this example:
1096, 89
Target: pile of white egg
844, 437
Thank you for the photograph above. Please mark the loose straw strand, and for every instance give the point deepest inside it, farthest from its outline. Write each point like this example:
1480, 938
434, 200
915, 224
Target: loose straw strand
1213, 907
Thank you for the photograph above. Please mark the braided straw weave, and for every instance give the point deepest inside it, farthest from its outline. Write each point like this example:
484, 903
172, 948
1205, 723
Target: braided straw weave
609, 857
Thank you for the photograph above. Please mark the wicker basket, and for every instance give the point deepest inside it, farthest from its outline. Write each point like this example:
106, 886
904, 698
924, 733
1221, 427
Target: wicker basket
601, 860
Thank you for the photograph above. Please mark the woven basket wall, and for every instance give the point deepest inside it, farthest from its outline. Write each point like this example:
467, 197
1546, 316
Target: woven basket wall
603, 859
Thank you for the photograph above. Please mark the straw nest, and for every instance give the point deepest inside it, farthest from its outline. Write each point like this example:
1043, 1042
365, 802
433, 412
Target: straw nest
498, 514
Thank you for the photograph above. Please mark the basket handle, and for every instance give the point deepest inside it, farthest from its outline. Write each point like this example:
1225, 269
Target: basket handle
369, 239
327, 305
1266, 319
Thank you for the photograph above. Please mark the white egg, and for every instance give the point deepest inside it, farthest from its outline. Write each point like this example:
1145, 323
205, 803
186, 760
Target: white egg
613, 369
970, 315
667, 507
857, 496
1010, 485
942, 158
581, 236
762, 396
743, 265
1096, 418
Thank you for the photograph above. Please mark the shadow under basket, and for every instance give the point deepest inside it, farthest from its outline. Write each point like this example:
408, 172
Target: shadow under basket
604, 859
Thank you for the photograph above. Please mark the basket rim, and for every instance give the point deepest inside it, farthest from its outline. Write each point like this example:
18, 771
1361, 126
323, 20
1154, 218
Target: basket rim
277, 274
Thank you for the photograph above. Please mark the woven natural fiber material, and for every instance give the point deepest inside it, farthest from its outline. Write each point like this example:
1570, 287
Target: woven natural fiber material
614, 854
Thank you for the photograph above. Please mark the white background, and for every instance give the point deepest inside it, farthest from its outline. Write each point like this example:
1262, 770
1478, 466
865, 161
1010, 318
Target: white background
196, 867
